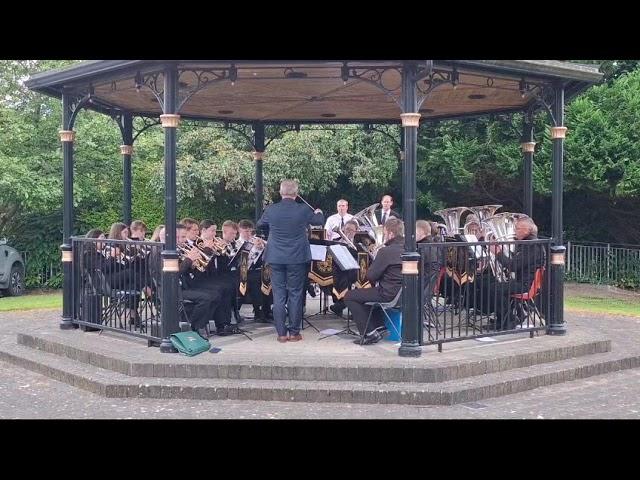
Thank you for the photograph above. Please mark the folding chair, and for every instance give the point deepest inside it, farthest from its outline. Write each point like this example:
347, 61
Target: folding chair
117, 300
524, 305
384, 306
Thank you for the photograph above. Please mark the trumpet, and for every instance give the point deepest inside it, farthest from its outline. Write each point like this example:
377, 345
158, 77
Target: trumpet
202, 262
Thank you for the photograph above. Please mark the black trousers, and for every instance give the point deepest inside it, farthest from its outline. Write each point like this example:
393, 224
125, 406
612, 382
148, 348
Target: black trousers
204, 306
493, 296
254, 295
355, 300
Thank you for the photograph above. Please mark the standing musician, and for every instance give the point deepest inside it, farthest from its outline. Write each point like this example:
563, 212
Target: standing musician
261, 302
385, 212
289, 254
385, 269
338, 219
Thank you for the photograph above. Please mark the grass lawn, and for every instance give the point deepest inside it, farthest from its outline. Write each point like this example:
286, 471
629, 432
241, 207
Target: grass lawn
611, 306
32, 301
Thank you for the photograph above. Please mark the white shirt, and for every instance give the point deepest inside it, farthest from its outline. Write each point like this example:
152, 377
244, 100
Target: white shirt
333, 221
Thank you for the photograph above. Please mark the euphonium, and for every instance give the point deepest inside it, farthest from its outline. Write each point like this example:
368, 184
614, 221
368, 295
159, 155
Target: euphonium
451, 217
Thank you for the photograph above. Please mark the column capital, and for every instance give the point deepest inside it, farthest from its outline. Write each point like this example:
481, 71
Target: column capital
126, 149
528, 147
67, 135
170, 120
257, 155
410, 119
558, 132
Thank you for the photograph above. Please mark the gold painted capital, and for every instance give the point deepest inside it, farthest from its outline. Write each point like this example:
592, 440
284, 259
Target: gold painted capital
558, 132
170, 120
410, 267
67, 135
528, 147
258, 155
410, 119
126, 149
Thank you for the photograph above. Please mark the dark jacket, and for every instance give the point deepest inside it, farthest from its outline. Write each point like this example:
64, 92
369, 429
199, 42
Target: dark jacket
386, 269
287, 222
524, 262
392, 213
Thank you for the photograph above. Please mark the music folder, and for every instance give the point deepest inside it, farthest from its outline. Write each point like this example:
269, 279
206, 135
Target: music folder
343, 258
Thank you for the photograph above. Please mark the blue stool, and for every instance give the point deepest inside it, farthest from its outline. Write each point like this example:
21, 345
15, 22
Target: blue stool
394, 324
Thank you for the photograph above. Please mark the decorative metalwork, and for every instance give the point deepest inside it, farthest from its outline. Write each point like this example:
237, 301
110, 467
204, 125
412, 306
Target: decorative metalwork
368, 128
279, 130
77, 102
544, 97
374, 76
153, 82
204, 78
147, 123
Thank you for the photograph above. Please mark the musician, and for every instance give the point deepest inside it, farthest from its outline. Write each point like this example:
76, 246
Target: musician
208, 229
228, 272
289, 255
193, 229
385, 212
423, 231
338, 219
385, 269
155, 236
261, 302
343, 280
523, 262
138, 230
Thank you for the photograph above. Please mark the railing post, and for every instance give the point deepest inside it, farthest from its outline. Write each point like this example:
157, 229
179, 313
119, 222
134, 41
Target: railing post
608, 260
569, 256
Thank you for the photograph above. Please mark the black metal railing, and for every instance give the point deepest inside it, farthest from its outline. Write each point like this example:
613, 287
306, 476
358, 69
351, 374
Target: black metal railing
473, 290
115, 286
604, 263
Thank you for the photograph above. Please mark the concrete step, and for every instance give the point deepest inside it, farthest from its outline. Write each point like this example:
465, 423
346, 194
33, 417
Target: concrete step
110, 383
426, 370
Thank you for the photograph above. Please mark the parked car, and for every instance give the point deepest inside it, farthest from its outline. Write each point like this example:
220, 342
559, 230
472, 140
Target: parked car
11, 270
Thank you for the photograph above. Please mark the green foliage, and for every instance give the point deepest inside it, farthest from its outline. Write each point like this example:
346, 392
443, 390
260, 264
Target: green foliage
469, 162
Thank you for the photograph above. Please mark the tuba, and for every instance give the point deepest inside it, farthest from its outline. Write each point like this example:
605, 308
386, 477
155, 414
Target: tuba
481, 213
451, 217
367, 216
502, 228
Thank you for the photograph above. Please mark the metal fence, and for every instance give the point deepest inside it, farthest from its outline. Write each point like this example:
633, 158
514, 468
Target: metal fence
116, 286
605, 263
474, 290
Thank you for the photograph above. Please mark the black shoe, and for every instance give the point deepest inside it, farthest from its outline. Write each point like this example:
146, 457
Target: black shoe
311, 290
369, 339
336, 309
203, 333
224, 331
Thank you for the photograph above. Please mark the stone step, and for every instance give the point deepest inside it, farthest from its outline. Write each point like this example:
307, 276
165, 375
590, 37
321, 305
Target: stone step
109, 383
426, 370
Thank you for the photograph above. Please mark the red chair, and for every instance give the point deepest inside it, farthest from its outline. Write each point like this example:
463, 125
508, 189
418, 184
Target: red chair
524, 303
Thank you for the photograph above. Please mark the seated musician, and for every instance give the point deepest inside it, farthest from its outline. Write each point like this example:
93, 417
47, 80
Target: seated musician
192, 229
138, 230
523, 263
261, 302
228, 273
342, 280
155, 236
338, 219
208, 229
386, 270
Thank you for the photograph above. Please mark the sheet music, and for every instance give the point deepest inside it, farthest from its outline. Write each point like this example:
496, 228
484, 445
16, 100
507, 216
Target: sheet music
318, 252
344, 258
477, 250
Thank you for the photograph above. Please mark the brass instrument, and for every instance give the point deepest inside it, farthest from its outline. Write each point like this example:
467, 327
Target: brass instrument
502, 228
451, 217
201, 263
478, 215
344, 237
368, 220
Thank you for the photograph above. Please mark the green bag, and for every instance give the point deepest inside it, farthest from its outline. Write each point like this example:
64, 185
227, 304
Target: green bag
189, 343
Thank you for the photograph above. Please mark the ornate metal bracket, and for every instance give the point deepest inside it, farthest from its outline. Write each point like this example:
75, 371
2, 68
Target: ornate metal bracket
544, 98
204, 77
374, 76
147, 123
368, 128
77, 103
278, 130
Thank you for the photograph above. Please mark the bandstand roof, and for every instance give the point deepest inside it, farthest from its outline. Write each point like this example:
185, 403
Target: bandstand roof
315, 91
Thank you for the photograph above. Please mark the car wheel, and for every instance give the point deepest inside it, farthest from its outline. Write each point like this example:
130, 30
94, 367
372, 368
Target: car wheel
16, 281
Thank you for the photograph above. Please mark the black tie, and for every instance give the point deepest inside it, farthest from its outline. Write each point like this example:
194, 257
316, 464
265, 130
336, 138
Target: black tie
384, 218
342, 222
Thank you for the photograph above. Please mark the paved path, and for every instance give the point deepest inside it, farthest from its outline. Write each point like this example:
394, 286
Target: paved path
24, 394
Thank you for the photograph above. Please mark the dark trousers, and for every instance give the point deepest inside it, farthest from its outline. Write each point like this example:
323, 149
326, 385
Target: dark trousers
493, 296
355, 301
204, 305
260, 301
219, 288
288, 281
